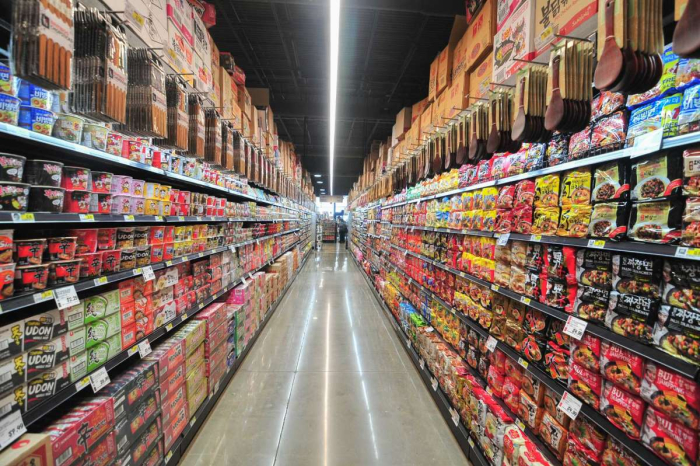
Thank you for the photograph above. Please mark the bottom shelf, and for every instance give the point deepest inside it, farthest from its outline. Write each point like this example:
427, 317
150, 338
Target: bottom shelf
468, 446
178, 449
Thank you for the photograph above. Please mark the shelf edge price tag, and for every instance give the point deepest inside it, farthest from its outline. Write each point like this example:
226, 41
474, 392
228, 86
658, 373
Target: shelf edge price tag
470, 442
408, 344
495, 287
23, 218
596, 243
11, 428
575, 327
148, 274
87, 217
169, 456
570, 405
434, 383
421, 363
99, 379
687, 252
455, 416
491, 344
503, 239
100, 281
523, 363
129, 218
525, 300
133, 350
43, 296
520, 424
647, 143
536, 238
144, 348
65, 297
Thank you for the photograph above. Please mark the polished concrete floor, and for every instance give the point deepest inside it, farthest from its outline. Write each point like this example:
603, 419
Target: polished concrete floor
327, 383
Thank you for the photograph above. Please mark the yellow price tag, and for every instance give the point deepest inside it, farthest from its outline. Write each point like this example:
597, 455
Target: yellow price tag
495, 287
523, 363
129, 218
87, 218
520, 424
169, 263
536, 238
138, 18
525, 300
168, 327
181, 218
184, 316
133, 350
101, 281
46, 295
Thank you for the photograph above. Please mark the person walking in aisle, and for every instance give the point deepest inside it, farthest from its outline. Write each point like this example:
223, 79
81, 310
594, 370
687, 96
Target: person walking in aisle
342, 229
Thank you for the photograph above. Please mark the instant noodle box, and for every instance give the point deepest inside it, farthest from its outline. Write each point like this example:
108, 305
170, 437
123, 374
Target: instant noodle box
169, 356
27, 396
102, 454
29, 449
514, 40
130, 427
141, 449
172, 403
103, 352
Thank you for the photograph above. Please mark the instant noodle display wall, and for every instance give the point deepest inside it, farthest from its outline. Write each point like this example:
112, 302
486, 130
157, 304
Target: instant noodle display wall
546, 284
125, 228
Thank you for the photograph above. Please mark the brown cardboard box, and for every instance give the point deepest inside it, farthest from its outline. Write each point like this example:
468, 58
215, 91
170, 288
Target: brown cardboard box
259, 96
432, 82
439, 111
426, 122
415, 136
29, 450
236, 116
514, 40
214, 53
505, 8
480, 34
403, 119
459, 27
575, 15
458, 96
480, 80
417, 109
459, 57
227, 96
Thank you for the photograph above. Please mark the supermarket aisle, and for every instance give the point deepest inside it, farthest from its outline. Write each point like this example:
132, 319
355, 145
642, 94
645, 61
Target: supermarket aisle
326, 384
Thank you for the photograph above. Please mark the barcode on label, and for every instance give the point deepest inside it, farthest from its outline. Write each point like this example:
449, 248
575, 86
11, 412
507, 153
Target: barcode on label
4, 344
5, 377
64, 456
5, 409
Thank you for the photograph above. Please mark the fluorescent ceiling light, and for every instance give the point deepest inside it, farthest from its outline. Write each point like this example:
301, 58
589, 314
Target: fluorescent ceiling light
335, 46
319, 182
317, 175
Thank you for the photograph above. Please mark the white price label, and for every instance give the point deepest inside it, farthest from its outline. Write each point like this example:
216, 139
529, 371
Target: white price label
192, 422
570, 405
148, 274
82, 384
596, 243
168, 457
687, 252
525, 300
523, 363
408, 344
133, 350
11, 428
23, 218
245, 283
434, 383
87, 217
129, 218
99, 379
575, 327
536, 238
647, 143
491, 344
503, 239
250, 275
65, 297
495, 287
455, 416
520, 424
100, 281
470, 442
232, 248
43, 296
144, 348
421, 363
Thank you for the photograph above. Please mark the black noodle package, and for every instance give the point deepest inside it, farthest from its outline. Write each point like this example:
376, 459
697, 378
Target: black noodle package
560, 262
656, 222
609, 220
639, 275
594, 268
632, 316
681, 284
611, 182
591, 303
657, 176
558, 293
677, 331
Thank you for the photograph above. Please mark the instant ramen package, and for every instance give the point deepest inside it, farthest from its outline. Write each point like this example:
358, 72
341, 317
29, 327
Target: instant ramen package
574, 221
656, 177
558, 149
576, 187
621, 367
586, 352
624, 411
609, 221
672, 441
560, 262
524, 193
586, 385
616, 454
611, 181
691, 172
656, 222
632, 316
547, 191
545, 221
588, 434
594, 268
610, 132
689, 116
672, 394
638, 275
677, 331
591, 303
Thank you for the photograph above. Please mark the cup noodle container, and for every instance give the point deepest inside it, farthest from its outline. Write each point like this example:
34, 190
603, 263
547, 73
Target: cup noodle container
76, 178
101, 203
121, 185
121, 204
137, 187
101, 182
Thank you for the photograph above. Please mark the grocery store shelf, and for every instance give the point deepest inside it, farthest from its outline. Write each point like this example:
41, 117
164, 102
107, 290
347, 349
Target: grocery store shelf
658, 356
197, 420
42, 142
632, 247
49, 405
461, 434
24, 301
668, 143
41, 217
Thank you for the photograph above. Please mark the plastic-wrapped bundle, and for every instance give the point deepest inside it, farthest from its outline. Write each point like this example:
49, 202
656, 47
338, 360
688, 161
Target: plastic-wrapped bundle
178, 120
213, 141
196, 127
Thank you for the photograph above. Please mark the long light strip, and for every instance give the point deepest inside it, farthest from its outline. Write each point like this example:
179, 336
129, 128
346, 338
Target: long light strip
335, 46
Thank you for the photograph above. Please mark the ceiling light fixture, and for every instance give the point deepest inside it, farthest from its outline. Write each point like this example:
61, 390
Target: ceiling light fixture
335, 46
319, 182
318, 175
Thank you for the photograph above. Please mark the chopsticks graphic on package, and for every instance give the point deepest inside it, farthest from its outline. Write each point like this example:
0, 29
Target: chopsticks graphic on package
43, 42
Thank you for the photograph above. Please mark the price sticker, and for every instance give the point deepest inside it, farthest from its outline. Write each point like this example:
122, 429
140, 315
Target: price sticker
65, 297
99, 379
525, 300
192, 422
144, 348
495, 287
82, 384
133, 350
232, 248
470, 442
687, 252
148, 274
159, 218
169, 456
434, 383
169, 263
523, 363
575, 327
181, 218
43, 296
87, 217
250, 275
199, 219
184, 316
408, 344
421, 363
100, 281
520, 424
245, 283
137, 271
570, 405
168, 327
23, 218
11, 428
503, 239
596, 243
491, 344
455, 416
129, 218
536, 238
489, 391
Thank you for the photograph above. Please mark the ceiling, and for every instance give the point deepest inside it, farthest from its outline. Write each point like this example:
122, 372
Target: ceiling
386, 48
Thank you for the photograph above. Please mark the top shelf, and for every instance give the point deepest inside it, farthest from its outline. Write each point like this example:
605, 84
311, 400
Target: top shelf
41, 141
627, 153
